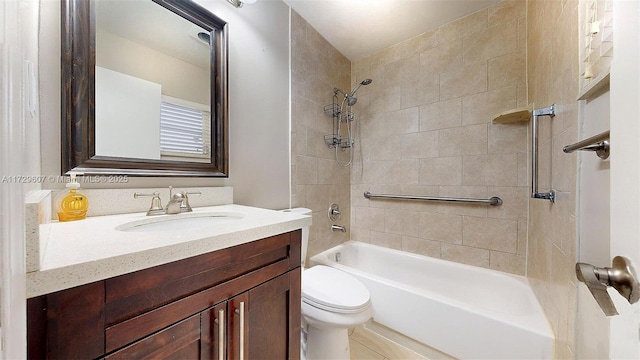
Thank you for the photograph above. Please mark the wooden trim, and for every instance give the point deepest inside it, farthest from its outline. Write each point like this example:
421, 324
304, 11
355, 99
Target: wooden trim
295, 312
78, 97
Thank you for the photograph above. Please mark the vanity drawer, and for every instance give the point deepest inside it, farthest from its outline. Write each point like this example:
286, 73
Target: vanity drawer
132, 294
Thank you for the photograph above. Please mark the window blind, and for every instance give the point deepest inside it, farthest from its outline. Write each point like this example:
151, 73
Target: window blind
597, 35
184, 129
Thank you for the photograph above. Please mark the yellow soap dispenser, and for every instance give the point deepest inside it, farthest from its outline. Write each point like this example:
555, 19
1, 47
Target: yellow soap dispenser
72, 205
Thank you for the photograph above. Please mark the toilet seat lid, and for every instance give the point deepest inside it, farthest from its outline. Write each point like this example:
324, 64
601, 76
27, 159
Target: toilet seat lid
331, 289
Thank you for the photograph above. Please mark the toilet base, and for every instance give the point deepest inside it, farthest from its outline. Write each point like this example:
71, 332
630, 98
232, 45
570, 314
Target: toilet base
327, 343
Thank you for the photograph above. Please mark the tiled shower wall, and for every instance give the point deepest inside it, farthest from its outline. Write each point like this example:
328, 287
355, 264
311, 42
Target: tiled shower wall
316, 179
553, 78
425, 129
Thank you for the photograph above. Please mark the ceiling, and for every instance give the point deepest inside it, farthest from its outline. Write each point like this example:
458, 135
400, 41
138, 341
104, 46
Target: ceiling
358, 28
155, 27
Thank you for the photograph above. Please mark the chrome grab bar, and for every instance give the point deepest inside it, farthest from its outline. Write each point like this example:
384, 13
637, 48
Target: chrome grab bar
493, 201
535, 194
598, 143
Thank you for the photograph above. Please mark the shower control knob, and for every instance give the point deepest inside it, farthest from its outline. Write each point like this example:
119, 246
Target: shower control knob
334, 212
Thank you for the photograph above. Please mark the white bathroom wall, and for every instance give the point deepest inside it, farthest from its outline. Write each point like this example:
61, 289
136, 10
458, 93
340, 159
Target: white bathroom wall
258, 103
109, 54
592, 326
127, 115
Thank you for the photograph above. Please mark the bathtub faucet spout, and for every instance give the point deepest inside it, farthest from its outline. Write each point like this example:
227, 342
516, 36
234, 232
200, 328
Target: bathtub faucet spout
335, 228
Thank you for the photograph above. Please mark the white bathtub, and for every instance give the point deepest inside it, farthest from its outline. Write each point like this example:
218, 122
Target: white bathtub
464, 311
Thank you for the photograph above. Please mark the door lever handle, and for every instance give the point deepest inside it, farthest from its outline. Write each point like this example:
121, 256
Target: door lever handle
620, 276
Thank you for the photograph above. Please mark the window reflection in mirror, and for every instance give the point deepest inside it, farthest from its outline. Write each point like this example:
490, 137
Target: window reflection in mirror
152, 83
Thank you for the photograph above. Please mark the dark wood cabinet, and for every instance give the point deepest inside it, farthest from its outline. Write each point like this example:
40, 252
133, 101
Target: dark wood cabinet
241, 302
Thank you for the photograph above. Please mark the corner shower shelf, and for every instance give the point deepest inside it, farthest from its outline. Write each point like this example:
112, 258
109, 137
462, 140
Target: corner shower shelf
520, 114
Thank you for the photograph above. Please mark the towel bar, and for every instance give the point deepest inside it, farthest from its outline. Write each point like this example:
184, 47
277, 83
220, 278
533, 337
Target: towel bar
493, 201
535, 194
598, 143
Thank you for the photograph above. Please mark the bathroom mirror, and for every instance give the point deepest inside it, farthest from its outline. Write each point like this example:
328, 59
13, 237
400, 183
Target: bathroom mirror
144, 88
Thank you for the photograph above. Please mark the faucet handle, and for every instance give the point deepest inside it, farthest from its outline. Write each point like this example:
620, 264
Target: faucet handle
156, 203
185, 206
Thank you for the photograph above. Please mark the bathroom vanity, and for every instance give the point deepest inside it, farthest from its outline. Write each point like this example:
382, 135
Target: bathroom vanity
239, 301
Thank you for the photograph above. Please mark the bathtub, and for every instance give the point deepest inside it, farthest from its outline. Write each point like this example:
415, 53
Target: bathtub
464, 311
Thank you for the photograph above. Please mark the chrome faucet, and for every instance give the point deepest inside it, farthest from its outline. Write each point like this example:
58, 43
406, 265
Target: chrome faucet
178, 203
182, 199
175, 202
335, 228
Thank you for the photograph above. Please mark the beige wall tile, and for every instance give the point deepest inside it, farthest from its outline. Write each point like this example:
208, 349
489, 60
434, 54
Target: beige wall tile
523, 169
443, 58
506, 11
419, 145
467, 80
511, 263
373, 172
441, 115
515, 201
474, 192
421, 246
385, 148
392, 241
441, 171
483, 107
315, 145
507, 70
496, 41
316, 179
402, 222
412, 122
424, 90
401, 71
307, 170
402, 172
508, 138
490, 170
474, 23
385, 99
441, 227
464, 140
369, 218
493, 234
465, 255
402, 121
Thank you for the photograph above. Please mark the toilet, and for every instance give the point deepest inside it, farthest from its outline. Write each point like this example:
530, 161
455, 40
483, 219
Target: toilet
332, 302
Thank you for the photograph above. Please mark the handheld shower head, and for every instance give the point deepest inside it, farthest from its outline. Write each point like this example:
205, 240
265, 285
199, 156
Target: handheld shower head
351, 98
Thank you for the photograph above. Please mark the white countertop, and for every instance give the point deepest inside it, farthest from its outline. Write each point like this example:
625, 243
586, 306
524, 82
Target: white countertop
84, 251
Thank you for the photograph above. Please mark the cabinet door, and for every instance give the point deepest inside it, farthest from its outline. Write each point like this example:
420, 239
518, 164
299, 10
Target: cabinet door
178, 341
214, 329
265, 323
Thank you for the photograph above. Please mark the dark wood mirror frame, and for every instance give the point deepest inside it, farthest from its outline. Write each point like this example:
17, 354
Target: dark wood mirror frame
78, 97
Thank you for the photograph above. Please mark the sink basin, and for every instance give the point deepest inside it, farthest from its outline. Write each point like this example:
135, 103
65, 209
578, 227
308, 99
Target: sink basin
180, 222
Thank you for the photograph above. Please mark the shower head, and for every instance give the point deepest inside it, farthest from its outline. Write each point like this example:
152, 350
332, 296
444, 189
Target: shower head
351, 98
